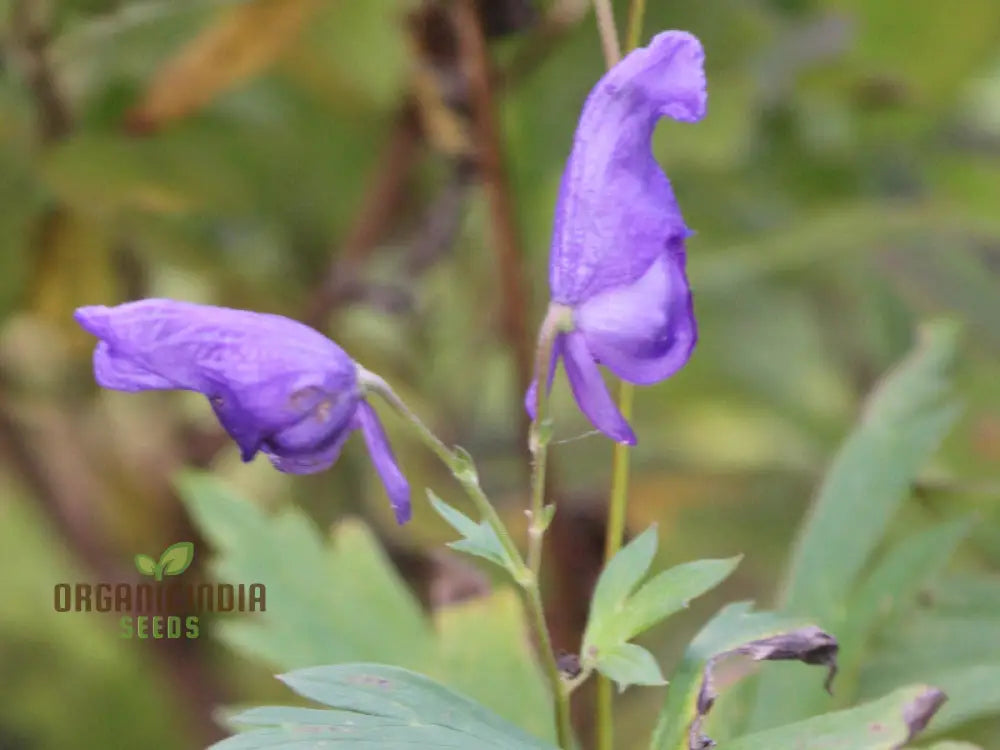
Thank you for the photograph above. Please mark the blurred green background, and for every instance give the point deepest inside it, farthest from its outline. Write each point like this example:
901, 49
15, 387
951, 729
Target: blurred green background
330, 160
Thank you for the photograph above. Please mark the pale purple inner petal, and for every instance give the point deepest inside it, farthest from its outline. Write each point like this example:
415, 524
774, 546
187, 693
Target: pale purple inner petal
310, 463
643, 332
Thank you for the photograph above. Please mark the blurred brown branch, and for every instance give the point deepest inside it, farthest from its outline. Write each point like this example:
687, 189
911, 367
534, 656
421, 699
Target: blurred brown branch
379, 204
514, 295
31, 39
561, 18
243, 41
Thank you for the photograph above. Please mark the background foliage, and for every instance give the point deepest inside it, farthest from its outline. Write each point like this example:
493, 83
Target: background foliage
844, 188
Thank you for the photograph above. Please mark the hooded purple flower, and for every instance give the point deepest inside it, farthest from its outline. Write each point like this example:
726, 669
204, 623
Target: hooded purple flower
617, 259
277, 386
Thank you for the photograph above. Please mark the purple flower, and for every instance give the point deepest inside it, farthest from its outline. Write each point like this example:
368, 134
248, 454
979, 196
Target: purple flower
276, 386
618, 259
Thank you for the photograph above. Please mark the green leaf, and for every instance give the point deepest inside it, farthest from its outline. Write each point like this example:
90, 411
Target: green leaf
145, 564
885, 724
972, 693
922, 645
966, 594
669, 592
619, 578
733, 626
307, 582
177, 558
903, 423
309, 579
904, 569
628, 664
479, 539
616, 617
485, 636
377, 706
896, 580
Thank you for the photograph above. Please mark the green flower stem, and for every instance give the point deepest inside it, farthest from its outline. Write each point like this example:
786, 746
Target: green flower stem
633, 34
558, 318
620, 459
526, 579
618, 502
456, 463
617, 506
560, 691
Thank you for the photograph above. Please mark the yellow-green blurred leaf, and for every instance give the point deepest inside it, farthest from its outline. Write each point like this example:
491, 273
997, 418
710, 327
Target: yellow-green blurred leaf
245, 40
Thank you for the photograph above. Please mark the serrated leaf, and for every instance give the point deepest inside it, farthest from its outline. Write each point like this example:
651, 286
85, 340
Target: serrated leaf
377, 706
666, 593
629, 664
619, 578
479, 538
886, 724
176, 558
308, 581
145, 564
485, 636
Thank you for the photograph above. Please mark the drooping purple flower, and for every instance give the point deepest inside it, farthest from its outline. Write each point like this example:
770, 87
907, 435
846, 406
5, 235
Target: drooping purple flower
618, 257
277, 386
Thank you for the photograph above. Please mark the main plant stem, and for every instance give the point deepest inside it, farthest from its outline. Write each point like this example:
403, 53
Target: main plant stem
634, 31
618, 502
523, 575
614, 533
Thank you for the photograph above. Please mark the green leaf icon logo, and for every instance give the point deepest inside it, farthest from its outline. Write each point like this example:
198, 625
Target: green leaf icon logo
145, 565
175, 559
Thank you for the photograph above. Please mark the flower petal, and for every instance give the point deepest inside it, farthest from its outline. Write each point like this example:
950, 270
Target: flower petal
318, 460
268, 378
643, 332
122, 375
616, 211
382, 456
590, 392
531, 396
